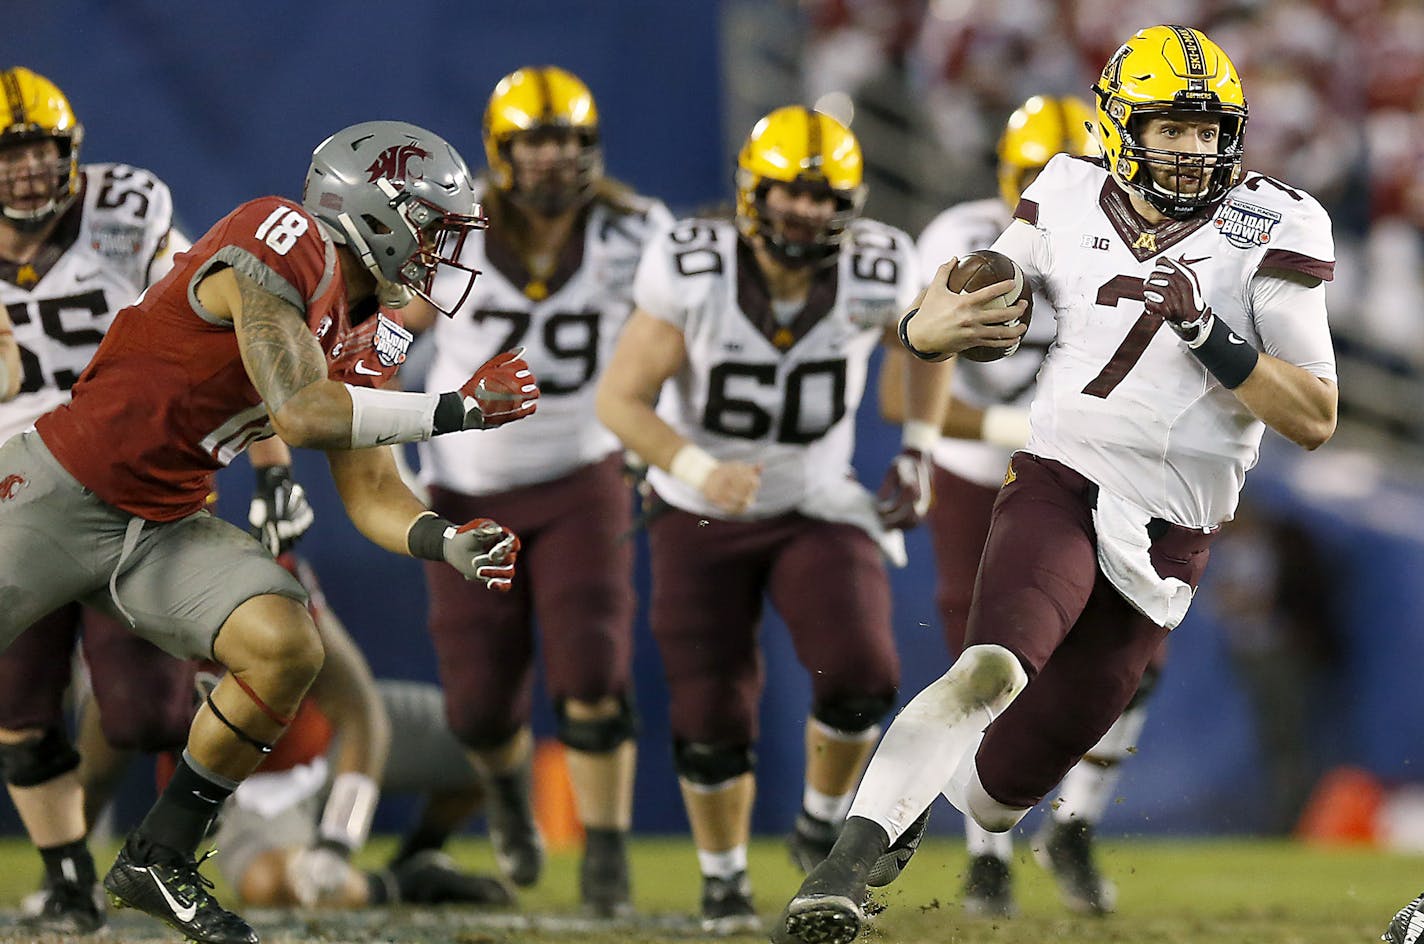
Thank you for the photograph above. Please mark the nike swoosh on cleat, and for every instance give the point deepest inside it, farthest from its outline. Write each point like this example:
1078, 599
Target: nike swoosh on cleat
184, 913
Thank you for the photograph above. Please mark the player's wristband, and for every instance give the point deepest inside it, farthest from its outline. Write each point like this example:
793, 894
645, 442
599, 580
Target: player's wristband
692, 465
1005, 426
346, 818
918, 435
1228, 356
905, 340
426, 537
449, 414
385, 417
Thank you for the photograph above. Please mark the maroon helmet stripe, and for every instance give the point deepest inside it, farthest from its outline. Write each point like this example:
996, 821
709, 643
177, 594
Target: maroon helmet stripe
1194, 56
13, 97
546, 94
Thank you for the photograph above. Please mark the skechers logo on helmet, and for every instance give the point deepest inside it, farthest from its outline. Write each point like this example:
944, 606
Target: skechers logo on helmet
399, 162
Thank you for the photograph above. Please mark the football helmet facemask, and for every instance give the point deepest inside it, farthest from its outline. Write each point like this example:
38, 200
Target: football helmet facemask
401, 199
803, 149
539, 105
1042, 127
34, 109
1178, 70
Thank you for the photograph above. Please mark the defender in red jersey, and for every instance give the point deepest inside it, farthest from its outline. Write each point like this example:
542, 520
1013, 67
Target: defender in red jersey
250, 335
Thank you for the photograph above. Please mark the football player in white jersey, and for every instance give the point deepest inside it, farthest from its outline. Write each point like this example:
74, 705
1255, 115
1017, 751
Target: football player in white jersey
986, 421
758, 333
1190, 309
77, 242
557, 263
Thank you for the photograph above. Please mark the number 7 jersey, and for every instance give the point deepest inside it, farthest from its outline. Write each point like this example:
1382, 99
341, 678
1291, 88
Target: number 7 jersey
1121, 398
757, 388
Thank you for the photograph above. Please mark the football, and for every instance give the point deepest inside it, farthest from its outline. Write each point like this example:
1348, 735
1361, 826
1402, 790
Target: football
982, 268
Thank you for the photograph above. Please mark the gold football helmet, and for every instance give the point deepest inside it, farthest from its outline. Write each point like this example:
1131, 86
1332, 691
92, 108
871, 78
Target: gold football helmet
800, 147
544, 100
33, 108
1170, 69
1042, 127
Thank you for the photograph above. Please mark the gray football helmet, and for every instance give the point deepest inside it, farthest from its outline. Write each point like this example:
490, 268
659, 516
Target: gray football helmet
402, 199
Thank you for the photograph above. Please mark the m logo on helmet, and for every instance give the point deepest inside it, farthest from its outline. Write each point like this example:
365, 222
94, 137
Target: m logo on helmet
398, 162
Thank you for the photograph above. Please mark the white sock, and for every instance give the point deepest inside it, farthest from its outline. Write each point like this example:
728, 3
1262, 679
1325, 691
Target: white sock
926, 741
980, 842
1088, 788
723, 864
824, 806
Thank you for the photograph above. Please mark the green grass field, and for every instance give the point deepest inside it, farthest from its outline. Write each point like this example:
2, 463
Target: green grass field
1210, 892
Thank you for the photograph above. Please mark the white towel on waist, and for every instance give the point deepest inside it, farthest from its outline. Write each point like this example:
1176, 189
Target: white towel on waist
1124, 554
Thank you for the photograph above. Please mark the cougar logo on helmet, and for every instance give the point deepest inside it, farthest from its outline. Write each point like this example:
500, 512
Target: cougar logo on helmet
394, 163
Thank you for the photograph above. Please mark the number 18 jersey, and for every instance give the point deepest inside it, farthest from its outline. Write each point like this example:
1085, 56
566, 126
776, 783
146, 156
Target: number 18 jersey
1121, 398
756, 388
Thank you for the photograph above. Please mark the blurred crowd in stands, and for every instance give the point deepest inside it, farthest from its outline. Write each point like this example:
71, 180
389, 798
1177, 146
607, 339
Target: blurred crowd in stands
1335, 89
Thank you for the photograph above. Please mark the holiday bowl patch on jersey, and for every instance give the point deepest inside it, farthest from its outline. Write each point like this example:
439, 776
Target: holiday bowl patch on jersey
983, 268
1245, 225
391, 342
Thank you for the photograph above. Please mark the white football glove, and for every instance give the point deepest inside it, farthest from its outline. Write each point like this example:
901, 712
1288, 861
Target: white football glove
318, 875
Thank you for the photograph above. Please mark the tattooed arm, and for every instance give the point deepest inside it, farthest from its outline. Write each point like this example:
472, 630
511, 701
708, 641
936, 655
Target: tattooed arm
284, 361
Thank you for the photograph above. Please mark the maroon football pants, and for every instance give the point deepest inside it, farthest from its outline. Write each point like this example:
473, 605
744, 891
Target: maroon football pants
145, 696
709, 579
1041, 595
574, 576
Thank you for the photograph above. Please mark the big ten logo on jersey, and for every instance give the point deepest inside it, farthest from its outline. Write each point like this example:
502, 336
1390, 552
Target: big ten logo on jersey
569, 340
66, 329
392, 341
874, 275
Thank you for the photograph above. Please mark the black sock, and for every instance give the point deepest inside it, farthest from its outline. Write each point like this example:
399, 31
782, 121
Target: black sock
183, 813
604, 842
70, 862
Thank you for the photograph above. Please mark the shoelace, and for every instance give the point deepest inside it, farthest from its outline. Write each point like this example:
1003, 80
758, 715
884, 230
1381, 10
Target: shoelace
188, 872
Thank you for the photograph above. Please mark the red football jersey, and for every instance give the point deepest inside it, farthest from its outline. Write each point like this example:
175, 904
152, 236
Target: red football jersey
166, 401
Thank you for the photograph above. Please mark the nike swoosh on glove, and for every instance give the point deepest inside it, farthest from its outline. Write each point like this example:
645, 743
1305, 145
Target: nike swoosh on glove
484, 550
904, 495
503, 390
1173, 293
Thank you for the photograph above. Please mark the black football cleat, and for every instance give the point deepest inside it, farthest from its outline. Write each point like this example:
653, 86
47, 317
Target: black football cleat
988, 888
810, 841
1407, 926
893, 860
1066, 850
829, 907
727, 906
604, 887
518, 847
67, 908
432, 878
176, 893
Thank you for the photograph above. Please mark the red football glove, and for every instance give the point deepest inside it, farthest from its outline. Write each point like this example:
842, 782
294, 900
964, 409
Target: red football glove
501, 391
484, 550
904, 496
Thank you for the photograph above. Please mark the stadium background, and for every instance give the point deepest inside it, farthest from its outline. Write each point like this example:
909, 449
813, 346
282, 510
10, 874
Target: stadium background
225, 102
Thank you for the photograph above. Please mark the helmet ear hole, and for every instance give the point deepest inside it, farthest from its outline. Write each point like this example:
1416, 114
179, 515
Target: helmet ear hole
375, 225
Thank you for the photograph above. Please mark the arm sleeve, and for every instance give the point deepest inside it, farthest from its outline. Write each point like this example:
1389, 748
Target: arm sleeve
1291, 320
1026, 245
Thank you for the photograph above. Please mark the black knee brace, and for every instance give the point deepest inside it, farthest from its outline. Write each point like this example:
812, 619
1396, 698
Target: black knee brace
597, 735
262, 746
39, 761
854, 713
708, 765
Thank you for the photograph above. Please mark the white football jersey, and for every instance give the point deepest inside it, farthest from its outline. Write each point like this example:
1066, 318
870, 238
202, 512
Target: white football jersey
755, 389
567, 335
955, 233
1121, 398
98, 260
